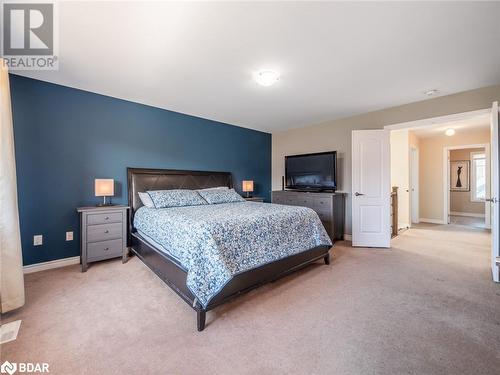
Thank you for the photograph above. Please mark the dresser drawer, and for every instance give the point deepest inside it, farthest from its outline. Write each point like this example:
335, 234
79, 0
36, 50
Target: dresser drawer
103, 232
278, 200
324, 216
104, 249
324, 204
304, 200
115, 217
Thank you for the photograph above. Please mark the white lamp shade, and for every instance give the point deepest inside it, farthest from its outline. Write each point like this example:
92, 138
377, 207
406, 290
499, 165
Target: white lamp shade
247, 186
104, 187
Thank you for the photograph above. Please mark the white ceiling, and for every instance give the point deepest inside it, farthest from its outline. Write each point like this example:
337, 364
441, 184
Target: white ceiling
336, 59
477, 123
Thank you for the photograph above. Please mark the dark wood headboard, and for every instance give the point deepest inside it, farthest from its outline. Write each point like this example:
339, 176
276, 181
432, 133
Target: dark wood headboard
142, 179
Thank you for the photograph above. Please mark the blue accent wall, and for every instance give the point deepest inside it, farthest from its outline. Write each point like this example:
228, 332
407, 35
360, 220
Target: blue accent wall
65, 138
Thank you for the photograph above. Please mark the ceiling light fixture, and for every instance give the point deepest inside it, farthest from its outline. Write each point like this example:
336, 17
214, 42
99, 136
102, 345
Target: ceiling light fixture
449, 132
267, 77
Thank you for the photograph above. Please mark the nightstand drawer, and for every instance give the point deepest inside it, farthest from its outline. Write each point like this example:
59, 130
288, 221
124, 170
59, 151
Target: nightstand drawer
104, 249
104, 232
115, 217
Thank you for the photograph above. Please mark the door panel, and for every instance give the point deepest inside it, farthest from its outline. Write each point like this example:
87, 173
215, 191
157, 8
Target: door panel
371, 188
370, 153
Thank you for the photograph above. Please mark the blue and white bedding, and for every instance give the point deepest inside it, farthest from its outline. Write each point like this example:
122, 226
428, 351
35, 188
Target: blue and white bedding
218, 241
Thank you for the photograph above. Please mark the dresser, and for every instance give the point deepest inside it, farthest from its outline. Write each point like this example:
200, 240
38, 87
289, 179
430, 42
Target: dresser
103, 233
330, 208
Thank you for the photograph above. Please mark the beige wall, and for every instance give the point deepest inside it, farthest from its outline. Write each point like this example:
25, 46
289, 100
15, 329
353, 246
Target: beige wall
460, 201
413, 140
400, 176
336, 135
431, 168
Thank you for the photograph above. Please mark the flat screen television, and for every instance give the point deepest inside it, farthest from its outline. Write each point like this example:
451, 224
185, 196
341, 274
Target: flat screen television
314, 172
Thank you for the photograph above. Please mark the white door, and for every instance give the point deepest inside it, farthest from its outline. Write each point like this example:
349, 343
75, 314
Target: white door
493, 200
414, 185
371, 188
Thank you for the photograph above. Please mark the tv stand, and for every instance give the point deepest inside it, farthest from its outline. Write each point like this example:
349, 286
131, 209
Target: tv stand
329, 206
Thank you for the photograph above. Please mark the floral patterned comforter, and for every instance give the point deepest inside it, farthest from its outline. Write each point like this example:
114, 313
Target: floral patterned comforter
216, 242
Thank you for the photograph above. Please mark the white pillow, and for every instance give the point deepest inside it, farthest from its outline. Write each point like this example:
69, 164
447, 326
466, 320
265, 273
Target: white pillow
146, 200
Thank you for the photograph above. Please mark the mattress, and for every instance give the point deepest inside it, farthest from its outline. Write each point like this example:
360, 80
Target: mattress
216, 242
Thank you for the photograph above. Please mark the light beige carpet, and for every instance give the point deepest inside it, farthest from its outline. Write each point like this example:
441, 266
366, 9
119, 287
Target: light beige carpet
427, 306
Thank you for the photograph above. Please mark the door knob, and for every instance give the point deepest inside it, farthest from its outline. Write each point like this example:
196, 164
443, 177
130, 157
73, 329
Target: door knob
358, 194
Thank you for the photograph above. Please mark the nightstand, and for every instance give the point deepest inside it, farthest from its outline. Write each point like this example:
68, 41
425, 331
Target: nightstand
103, 233
254, 199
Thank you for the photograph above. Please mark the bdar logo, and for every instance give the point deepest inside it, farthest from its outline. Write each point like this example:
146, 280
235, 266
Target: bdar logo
8, 368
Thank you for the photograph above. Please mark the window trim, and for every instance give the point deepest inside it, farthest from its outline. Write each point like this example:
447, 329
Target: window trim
473, 197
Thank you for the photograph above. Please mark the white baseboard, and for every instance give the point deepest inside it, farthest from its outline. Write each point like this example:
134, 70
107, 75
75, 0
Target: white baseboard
347, 237
469, 214
431, 221
51, 264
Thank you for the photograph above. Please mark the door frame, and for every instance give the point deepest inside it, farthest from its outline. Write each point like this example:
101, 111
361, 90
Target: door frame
440, 120
414, 187
446, 180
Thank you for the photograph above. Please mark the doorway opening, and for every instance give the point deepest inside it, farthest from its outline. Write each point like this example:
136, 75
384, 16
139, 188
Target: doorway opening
385, 157
441, 173
467, 185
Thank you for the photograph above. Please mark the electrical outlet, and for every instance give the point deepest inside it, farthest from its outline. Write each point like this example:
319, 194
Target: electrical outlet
37, 240
69, 236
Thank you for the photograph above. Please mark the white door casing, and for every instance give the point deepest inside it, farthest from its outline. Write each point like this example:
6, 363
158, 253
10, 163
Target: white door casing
495, 194
414, 190
371, 188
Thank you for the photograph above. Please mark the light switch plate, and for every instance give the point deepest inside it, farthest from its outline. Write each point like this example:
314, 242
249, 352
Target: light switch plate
37, 240
69, 236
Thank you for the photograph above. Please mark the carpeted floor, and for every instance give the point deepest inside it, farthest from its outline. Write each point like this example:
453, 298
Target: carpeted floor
427, 306
476, 222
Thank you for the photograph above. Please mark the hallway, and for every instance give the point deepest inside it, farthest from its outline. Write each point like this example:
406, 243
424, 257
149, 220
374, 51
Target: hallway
475, 222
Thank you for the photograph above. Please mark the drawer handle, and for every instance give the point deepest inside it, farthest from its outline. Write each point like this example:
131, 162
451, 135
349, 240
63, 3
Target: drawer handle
106, 218
106, 248
106, 231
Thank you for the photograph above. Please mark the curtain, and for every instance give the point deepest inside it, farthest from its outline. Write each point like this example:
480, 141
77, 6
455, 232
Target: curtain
11, 265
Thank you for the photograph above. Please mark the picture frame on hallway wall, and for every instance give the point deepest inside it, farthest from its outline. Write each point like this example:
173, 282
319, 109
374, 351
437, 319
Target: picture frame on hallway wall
459, 175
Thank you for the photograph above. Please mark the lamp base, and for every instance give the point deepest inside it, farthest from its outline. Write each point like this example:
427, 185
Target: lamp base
104, 203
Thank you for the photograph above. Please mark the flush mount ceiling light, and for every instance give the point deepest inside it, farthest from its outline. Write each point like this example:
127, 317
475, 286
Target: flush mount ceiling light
431, 92
266, 77
449, 132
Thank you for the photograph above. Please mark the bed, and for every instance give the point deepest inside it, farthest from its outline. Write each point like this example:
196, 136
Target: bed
209, 254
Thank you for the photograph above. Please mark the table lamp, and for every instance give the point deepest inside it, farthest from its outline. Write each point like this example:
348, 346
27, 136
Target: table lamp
248, 187
104, 187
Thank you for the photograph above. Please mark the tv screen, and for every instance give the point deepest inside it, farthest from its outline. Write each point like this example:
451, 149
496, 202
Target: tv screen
311, 171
